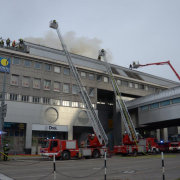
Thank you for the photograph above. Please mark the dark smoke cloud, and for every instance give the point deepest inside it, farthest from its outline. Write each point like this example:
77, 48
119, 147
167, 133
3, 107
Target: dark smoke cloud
77, 45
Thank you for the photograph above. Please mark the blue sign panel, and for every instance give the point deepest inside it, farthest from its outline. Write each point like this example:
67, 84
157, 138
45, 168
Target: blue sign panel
5, 64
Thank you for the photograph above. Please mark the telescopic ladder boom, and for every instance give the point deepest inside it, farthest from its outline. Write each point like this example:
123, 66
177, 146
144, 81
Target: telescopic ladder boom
121, 104
98, 129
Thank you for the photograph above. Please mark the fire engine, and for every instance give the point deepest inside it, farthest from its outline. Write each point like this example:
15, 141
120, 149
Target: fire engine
174, 143
95, 144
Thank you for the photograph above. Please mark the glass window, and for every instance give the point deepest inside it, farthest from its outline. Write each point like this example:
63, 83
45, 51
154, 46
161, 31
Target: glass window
37, 65
27, 63
106, 79
46, 100
125, 83
83, 74
155, 105
156, 89
16, 133
91, 76
15, 80
36, 99
82, 105
36, 83
99, 78
66, 71
74, 89
131, 84
16, 61
151, 89
13, 97
141, 86
47, 85
47, 67
21, 134
165, 103
57, 86
119, 82
177, 100
26, 81
57, 69
144, 108
136, 86
25, 98
74, 104
65, 103
146, 88
66, 88
91, 92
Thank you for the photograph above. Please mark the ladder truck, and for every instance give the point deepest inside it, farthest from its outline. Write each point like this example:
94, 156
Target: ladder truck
131, 143
136, 65
95, 144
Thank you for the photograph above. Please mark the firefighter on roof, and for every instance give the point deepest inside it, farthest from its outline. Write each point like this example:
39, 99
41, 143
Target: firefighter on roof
8, 42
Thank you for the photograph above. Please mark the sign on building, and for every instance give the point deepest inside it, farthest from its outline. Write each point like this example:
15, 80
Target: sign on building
5, 64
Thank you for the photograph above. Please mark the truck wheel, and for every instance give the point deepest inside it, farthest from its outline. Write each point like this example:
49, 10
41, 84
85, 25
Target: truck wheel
96, 154
65, 155
135, 153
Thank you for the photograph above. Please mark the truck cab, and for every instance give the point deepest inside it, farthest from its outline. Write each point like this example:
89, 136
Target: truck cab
174, 143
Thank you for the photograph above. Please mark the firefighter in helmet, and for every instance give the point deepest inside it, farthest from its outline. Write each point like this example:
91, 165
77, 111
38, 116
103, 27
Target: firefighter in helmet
6, 149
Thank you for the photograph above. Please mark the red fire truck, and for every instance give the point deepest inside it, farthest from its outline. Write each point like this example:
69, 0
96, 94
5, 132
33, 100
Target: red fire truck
174, 143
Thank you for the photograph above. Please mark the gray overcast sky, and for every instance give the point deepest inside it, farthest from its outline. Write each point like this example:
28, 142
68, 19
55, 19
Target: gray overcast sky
134, 30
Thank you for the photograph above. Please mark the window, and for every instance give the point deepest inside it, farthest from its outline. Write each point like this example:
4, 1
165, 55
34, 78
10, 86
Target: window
119, 82
55, 102
131, 84
13, 97
36, 83
47, 85
36, 99
57, 69
65, 103
25, 98
155, 105
47, 67
146, 88
57, 86
91, 92
74, 89
74, 104
66, 88
157, 90
165, 103
136, 86
54, 143
144, 108
177, 100
141, 86
46, 100
91, 76
27, 63
125, 83
15, 80
26, 81
66, 71
99, 78
83, 74
106, 79
16, 61
82, 105
151, 89
37, 65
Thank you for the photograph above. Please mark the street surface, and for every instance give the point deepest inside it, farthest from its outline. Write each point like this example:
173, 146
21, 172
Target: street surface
118, 168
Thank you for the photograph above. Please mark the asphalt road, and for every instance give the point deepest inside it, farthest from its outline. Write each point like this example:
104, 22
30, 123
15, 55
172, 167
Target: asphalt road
119, 168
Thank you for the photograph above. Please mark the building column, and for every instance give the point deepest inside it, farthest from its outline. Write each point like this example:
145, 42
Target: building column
28, 138
164, 134
178, 129
158, 134
70, 132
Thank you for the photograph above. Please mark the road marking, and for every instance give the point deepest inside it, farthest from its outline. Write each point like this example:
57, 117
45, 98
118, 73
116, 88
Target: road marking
128, 172
3, 177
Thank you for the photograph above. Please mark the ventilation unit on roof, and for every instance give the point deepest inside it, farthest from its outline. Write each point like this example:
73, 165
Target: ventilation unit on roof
133, 75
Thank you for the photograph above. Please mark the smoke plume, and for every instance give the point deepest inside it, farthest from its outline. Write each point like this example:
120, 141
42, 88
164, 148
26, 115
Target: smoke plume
77, 45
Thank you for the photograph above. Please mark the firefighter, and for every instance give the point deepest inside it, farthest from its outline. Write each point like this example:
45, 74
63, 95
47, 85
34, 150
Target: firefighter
21, 41
130, 66
54, 21
92, 136
99, 58
8, 42
102, 50
2, 43
6, 149
14, 43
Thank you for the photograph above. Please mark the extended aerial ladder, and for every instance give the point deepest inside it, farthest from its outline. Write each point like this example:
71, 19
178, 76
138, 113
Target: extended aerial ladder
136, 65
121, 104
98, 129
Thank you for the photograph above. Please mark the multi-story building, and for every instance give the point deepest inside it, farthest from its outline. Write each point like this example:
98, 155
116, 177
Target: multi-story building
43, 102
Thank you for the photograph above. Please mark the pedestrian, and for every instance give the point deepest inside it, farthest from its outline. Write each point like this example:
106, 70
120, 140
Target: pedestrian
8, 42
130, 66
99, 58
14, 43
6, 149
2, 43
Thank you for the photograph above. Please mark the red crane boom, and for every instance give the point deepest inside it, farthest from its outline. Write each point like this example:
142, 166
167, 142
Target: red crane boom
137, 65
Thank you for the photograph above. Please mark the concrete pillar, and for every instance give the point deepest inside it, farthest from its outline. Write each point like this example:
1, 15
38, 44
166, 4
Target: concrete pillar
158, 134
28, 138
164, 134
178, 127
70, 132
